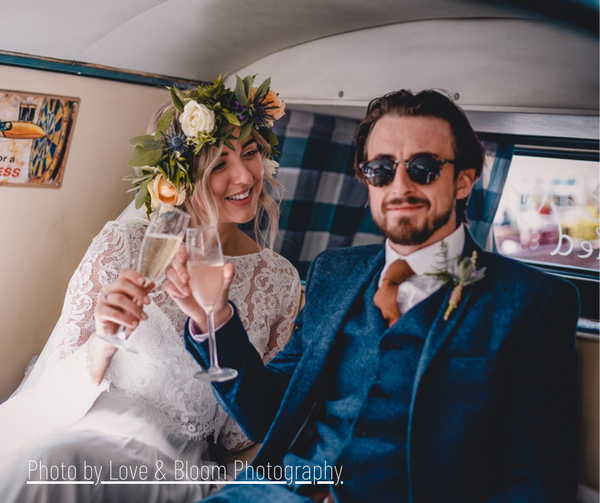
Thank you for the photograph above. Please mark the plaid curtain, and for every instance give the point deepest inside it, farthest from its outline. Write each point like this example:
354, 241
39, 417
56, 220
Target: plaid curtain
487, 191
324, 205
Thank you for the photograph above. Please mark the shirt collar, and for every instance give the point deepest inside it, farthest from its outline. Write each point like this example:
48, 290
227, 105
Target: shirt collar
427, 259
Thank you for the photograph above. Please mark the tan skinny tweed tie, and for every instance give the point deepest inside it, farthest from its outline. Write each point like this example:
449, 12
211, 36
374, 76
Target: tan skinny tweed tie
385, 297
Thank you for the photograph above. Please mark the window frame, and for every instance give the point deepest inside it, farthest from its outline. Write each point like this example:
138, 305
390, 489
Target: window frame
586, 281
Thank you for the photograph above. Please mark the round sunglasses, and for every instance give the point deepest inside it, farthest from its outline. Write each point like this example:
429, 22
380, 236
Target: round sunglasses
421, 168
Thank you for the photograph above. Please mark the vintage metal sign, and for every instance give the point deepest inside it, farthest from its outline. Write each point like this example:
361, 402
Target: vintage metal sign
35, 134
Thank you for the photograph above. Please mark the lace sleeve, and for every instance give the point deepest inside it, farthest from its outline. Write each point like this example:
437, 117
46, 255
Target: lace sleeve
287, 283
109, 253
281, 330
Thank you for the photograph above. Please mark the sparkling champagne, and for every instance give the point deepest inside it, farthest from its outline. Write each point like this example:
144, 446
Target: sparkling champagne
157, 252
206, 282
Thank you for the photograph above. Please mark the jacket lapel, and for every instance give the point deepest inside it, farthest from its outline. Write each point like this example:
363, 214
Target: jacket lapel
323, 317
335, 304
440, 332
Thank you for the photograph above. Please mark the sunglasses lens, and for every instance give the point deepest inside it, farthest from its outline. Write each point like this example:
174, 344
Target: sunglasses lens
424, 169
379, 172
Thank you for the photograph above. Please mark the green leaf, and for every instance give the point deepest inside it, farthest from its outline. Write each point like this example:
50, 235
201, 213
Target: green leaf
263, 89
232, 119
177, 101
245, 132
143, 157
164, 123
272, 138
248, 81
240, 93
228, 144
142, 194
146, 141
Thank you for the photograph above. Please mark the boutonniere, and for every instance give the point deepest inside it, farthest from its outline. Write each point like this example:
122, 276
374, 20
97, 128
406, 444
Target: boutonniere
457, 273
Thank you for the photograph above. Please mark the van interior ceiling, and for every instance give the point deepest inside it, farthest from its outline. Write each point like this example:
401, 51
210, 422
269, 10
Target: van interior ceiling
526, 73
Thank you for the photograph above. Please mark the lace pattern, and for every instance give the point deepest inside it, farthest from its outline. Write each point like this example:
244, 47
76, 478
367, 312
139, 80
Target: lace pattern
159, 379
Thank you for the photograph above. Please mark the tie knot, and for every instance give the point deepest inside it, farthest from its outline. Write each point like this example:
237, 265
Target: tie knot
398, 272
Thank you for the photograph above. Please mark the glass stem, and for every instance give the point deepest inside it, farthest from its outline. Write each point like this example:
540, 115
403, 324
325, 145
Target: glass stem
212, 343
120, 333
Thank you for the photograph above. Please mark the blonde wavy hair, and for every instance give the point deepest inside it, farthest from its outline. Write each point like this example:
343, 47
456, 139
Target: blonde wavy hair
203, 210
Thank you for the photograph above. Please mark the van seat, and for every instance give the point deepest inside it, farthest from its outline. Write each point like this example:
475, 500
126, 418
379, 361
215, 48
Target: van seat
588, 348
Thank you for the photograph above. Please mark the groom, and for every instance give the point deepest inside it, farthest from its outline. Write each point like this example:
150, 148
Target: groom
424, 370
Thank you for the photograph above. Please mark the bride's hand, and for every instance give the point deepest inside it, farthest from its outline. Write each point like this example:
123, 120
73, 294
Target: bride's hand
177, 286
122, 303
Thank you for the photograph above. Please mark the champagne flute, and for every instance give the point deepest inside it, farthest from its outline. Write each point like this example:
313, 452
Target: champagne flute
205, 265
162, 239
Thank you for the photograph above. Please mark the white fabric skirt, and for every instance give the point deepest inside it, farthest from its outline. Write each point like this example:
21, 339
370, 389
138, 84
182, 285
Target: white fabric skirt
112, 443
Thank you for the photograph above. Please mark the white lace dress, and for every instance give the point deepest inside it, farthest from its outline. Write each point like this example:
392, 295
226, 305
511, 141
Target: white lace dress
149, 411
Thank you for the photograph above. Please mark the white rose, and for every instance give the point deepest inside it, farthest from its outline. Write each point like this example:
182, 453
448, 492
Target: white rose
271, 167
163, 191
197, 118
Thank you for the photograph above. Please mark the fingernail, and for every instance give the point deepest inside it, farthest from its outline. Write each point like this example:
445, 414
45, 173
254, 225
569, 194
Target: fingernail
141, 281
146, 300
144, 316
135, 323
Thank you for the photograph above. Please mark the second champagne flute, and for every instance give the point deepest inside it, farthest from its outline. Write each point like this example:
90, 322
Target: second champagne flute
205, 266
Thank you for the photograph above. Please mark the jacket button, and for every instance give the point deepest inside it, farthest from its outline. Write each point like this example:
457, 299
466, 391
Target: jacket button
387, 344
377, 392
360, 431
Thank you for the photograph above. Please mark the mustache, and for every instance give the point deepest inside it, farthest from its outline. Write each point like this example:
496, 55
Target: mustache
398, 201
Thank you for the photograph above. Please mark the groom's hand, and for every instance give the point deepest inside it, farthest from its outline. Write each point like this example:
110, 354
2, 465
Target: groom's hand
177, 286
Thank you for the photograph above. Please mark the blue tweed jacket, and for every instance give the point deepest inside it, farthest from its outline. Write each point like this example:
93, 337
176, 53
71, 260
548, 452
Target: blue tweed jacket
493, 415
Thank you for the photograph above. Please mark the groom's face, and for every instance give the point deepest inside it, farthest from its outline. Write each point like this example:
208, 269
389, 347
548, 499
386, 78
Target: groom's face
409, 214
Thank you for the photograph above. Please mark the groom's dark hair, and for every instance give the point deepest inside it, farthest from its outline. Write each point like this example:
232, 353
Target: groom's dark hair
468, 150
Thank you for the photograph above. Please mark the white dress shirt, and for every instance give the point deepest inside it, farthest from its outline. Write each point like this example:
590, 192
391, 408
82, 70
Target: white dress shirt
425, 260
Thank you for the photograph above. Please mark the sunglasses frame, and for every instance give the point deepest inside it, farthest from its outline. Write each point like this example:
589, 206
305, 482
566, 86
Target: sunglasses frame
431, 175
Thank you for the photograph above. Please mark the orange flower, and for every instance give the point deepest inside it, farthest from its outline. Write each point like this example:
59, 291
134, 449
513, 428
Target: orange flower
276, 106
163, 191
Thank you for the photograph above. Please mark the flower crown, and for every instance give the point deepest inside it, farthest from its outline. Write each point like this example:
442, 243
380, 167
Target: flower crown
162, 162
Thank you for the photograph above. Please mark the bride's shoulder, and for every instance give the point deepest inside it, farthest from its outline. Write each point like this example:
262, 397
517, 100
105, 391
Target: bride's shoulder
278, 263
127, 229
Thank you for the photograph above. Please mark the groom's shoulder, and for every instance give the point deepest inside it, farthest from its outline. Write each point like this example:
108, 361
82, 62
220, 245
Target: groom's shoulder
509, 271
348, 255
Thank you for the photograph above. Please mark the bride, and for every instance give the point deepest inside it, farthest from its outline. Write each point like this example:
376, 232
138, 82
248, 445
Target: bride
92, 416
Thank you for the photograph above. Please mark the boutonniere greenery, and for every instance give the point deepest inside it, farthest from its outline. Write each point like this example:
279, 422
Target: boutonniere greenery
457, 273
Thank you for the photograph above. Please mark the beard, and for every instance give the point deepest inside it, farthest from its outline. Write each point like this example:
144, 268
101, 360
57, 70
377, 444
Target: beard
408, 231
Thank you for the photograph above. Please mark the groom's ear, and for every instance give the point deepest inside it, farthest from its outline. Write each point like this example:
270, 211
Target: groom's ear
465, 179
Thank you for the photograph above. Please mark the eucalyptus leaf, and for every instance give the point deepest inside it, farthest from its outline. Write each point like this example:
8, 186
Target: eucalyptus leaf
272, 138
175, 99
246, 130
143, 157
240, 92
248, 81
146, 141
164, 123
142, 194
263, 89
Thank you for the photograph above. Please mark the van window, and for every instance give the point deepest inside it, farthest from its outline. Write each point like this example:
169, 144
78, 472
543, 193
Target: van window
549, 212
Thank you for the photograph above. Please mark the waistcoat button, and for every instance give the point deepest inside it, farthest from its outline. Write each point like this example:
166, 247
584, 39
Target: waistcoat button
377, 392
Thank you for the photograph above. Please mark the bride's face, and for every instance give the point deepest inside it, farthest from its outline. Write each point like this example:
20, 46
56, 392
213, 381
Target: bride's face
236, 181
